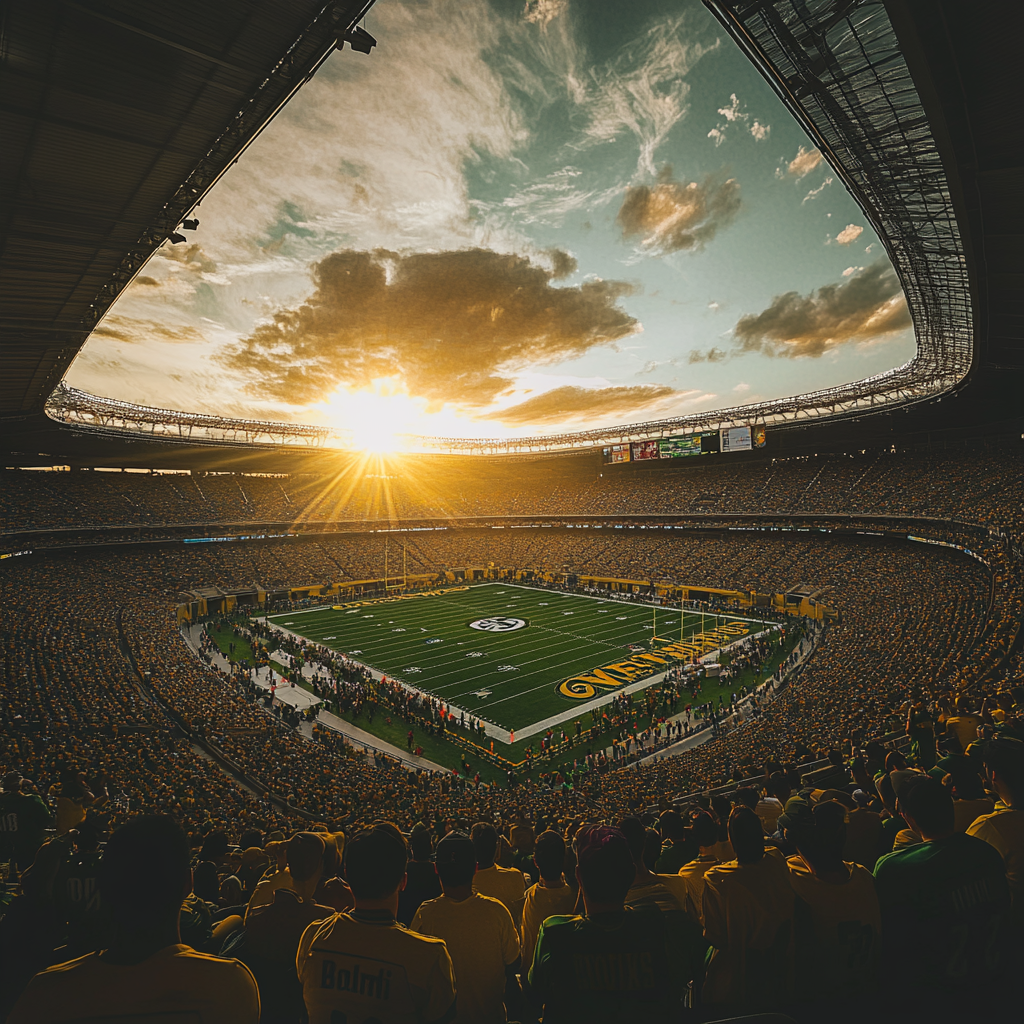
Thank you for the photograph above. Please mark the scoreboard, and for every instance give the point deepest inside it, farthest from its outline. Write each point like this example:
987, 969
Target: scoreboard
681, 446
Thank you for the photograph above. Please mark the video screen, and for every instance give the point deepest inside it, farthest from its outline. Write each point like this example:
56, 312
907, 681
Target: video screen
645, 450
679, 447
736, 439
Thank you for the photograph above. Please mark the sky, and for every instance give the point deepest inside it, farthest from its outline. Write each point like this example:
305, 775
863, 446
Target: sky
514, 217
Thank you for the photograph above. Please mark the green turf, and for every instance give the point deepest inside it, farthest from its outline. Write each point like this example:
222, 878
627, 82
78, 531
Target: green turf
510, 678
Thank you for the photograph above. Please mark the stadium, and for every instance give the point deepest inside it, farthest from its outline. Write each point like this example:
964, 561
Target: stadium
376, 647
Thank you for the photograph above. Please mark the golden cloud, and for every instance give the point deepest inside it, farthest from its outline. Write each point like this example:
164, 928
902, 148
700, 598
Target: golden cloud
804, 162
672, 215
133, 331
573, 403
451, 326
867, 306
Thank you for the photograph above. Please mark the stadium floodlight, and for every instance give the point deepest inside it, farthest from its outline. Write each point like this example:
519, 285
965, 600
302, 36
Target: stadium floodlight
176, 238
358, 38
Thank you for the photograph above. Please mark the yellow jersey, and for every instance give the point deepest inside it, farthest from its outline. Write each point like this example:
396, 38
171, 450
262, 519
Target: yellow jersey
838, 930
363, 965
1004, 829
505, 884
176, 985
541, 903
692, 876
748, 918
482, 941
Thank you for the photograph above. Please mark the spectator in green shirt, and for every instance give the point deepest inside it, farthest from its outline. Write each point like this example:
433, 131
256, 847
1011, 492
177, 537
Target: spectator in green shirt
612, 964
944, 901
24, 820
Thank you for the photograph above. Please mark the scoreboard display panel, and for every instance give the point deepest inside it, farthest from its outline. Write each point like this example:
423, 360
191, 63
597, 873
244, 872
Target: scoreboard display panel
615, 453
645, 450
679, 447
736, 439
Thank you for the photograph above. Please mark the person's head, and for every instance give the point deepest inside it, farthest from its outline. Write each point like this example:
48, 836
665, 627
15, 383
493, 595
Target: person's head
375, 862
455, 861
306, 857
485, 842
12, 782
549, 855
231, 892
251, 838
419, 844
745, 797
778, 787
604, 866
926, 805
652, 848
205, 883
1003, 758
704, 829
215, 846
523, 839
670, 825
721, 808
146, 861
746, 835
821, 841
636, 837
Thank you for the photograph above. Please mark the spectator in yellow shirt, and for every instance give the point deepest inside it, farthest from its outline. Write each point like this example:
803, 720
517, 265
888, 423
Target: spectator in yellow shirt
146, 972
550, 896
1004, 827
704, 830
362, 965
505, 884
479, 934
748, 918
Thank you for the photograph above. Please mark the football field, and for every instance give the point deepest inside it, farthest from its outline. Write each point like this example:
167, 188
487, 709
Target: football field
509, 654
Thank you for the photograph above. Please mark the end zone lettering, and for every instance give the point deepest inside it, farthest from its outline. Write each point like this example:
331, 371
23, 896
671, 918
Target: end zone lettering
611, 677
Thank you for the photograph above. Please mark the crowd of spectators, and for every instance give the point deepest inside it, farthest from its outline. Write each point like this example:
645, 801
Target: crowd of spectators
975, 486
784, 865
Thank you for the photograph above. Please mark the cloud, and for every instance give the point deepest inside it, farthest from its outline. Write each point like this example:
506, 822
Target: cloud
449, 326
849, 234
741, 388
815, 192
734, 115
543, 12
670, 215
570, 402
851, 270
135, 331
803, 163
714, 306
563, 264
867, 306
643, 91
712, 355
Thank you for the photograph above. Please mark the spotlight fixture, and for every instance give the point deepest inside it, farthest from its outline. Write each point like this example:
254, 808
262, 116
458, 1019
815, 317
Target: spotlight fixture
358, 38
190, 225
176, 238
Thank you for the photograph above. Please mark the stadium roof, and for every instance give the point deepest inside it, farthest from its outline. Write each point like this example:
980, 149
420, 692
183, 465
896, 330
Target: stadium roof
906, 99
117, 117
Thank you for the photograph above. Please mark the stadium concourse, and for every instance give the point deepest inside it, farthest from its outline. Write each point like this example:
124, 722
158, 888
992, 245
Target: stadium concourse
108, 714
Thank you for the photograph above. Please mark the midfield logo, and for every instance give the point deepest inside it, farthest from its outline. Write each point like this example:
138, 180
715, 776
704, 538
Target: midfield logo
498, 624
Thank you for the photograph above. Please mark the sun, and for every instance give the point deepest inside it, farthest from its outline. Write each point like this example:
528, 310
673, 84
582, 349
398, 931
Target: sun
380, 420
